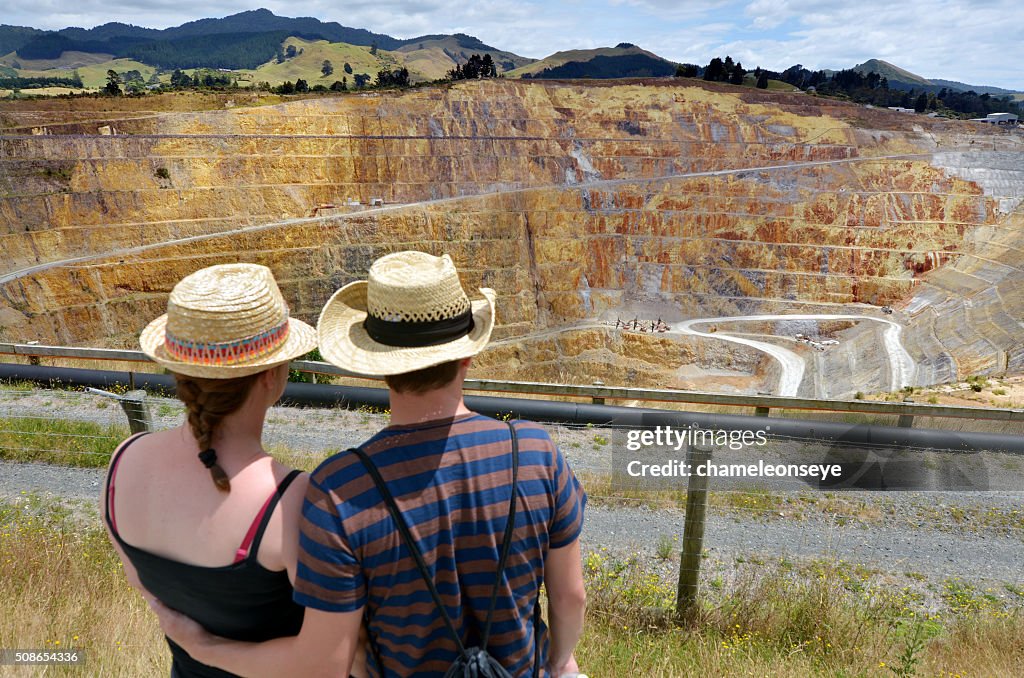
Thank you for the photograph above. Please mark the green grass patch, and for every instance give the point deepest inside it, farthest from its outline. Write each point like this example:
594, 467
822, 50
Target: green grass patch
59, 441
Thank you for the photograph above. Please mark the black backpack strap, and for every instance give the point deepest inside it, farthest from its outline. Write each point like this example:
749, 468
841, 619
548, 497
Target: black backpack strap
403, 530
410, 543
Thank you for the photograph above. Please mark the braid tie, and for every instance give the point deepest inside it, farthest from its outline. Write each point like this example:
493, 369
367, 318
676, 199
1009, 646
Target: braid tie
220, 479
208, 457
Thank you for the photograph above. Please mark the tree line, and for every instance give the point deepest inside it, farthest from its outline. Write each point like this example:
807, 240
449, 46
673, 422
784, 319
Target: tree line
476, 67
398, 77
224, 50
36, 81
870, 88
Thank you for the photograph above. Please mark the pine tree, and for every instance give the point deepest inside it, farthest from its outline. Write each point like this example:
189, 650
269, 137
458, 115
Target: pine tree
736, 77
113, 87
488, 69
715, 71
687, 70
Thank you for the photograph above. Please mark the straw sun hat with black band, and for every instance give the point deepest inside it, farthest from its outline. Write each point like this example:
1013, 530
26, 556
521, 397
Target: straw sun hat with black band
226, 321
411, 313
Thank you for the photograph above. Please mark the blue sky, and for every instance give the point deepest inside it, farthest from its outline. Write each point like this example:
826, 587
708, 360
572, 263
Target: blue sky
979, 42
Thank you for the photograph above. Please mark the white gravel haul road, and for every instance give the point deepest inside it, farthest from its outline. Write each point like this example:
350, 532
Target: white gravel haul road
901, 365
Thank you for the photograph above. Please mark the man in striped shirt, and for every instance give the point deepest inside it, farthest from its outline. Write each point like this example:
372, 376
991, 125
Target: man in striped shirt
449, 470
450, 473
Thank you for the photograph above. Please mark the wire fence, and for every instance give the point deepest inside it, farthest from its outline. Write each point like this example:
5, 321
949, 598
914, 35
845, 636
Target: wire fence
944, 514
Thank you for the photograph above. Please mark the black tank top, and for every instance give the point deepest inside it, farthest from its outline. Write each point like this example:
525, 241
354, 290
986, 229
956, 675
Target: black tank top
241, 601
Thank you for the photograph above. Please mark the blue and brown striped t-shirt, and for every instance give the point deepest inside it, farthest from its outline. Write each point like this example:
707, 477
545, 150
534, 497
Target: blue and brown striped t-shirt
452, 480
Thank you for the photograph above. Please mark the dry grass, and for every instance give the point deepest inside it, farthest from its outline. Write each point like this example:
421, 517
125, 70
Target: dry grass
61, 583
62, 586
822, 619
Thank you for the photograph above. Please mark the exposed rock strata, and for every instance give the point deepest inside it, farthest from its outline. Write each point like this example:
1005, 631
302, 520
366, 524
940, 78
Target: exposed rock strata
572, 201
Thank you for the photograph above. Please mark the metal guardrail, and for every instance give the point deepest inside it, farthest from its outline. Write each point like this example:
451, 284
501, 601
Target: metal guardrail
597, 393
792, 431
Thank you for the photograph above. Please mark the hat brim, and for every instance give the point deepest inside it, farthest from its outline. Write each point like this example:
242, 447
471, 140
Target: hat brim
345, 343
300, 341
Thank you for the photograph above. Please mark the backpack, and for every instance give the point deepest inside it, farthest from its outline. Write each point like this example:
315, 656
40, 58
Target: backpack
473, 662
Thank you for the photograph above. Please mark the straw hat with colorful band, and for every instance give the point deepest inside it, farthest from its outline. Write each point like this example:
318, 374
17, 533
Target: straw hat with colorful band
226, 321
409, 314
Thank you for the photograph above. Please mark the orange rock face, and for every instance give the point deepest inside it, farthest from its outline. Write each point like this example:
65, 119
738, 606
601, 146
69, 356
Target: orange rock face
573, 201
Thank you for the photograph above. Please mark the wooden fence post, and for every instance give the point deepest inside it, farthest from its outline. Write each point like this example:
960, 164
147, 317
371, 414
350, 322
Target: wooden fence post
134, 405
693, 533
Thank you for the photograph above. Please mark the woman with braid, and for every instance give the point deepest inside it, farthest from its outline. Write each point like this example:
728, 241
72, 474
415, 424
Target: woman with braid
202, 517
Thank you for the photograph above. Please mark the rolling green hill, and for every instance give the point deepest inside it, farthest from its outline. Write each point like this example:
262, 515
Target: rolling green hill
92, 68
240, 41
434, 56
622, 61
67, 61
893, 73
428, 59
307, 65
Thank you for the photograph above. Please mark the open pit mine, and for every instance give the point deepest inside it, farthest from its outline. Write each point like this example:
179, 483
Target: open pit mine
651, 233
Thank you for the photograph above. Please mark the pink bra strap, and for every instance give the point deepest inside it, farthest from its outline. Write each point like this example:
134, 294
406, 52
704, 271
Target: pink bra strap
254, 536
243, 551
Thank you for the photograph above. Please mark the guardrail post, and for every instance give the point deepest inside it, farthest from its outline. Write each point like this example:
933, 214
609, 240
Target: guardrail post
693, 533
906, 420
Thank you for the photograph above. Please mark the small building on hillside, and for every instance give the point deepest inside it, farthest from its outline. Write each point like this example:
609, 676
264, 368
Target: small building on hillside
998, 119
900, 109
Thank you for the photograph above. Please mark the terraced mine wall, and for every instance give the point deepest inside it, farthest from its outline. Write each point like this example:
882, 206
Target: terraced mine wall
582, 355
75, 191
577, 203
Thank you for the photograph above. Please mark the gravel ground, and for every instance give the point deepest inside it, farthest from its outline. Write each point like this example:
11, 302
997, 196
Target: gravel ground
972, 535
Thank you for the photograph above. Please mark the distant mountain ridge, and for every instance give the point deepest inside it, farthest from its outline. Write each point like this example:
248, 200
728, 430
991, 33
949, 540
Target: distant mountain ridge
243, 40
905, 80
253, 40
